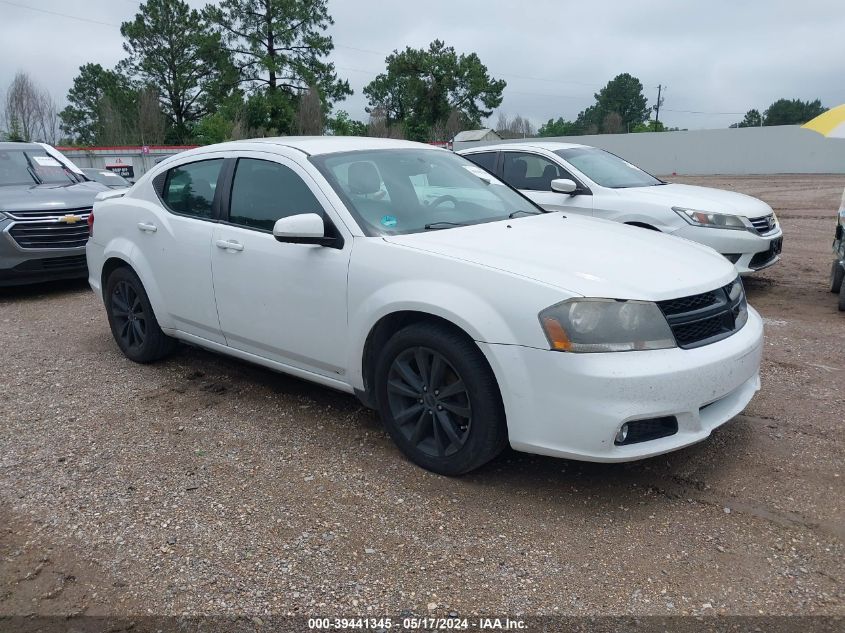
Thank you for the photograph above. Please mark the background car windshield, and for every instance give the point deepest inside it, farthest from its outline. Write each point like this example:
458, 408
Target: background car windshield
606, 169
19, 167
406, 190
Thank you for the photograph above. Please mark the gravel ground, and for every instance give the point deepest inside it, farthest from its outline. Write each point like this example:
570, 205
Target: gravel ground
202, 485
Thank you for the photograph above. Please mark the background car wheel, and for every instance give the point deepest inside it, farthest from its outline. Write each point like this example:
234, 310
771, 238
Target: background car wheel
439, 399
131, 318
842, 297
837, 274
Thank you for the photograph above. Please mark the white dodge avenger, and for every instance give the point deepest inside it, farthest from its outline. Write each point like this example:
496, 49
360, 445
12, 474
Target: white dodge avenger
466, 315
590, 181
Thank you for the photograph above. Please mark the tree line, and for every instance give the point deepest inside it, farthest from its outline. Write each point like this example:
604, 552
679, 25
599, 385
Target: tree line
247, 68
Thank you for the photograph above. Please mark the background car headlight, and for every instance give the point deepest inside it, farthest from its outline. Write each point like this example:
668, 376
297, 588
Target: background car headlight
605, 325
711, 220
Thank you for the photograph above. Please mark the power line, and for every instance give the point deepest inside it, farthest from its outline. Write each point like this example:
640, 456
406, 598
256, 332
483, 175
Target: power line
63, 15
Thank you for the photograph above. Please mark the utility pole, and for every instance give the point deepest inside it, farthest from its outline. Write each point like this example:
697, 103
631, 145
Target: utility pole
658, 104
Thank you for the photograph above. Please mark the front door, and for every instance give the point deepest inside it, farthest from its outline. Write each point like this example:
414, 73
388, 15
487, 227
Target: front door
284, 302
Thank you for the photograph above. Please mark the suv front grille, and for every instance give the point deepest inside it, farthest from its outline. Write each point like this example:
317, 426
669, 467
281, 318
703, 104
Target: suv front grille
50, 229
704, 318
764, 224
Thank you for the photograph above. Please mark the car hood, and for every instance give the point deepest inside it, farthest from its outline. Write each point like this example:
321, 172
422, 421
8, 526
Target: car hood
586, 256
698, 198
47, 197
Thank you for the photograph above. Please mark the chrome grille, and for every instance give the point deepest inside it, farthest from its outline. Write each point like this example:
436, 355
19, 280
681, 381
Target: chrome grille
764, 224
38, 230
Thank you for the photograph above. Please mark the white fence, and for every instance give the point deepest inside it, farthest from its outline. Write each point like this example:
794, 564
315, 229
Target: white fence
786, 149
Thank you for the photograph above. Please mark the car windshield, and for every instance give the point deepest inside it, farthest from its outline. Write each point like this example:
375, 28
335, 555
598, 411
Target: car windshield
397, 191
31, 166
606, 169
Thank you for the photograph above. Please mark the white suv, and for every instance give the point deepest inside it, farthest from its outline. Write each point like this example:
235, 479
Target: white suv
591, 181
405, 274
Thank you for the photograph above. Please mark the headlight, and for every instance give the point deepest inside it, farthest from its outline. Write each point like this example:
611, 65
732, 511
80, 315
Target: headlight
605, 325
711, 220
739, 304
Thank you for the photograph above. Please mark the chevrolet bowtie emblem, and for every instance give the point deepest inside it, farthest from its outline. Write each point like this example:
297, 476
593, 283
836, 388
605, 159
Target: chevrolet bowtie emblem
70, 219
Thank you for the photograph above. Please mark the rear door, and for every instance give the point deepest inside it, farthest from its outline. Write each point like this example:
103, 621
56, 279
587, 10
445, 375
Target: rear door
533, 173
177, 245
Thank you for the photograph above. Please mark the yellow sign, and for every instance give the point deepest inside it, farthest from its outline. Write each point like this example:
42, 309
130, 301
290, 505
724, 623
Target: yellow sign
70, 219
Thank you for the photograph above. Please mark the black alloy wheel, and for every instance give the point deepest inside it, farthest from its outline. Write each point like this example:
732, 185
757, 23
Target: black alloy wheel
128, 313
439, 399
132, 320
429, 402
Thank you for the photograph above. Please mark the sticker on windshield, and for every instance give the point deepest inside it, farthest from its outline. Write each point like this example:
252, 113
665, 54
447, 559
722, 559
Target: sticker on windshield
389, 221
46, 161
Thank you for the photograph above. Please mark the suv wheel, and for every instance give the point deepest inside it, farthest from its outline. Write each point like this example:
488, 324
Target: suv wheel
842, 297
439, 399
131, 318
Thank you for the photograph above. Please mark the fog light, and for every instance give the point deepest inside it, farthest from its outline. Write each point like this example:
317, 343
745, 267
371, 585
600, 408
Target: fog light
622, 435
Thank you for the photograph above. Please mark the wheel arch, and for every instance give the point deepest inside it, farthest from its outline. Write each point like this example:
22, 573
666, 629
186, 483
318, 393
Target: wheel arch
384, 328
116, 257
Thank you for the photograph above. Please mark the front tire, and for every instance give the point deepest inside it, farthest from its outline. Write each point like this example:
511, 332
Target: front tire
439, 400
837, 274
842, 297
132, 320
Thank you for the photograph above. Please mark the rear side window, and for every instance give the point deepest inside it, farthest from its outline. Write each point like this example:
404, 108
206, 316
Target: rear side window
190, 188
263, 192
487, 160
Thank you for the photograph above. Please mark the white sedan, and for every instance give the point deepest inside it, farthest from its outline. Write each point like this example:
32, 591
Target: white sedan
468, 316
591, 181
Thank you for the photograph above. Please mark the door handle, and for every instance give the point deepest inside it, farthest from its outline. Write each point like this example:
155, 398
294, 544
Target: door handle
229, 246
147, 228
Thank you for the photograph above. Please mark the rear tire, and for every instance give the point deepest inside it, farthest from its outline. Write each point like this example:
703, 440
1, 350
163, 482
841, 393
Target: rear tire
439, 400
837, 274
132, 320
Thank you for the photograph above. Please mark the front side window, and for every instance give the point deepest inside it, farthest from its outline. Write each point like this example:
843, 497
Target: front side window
606, 169
530, 171
396, 191
263, 192
189, 189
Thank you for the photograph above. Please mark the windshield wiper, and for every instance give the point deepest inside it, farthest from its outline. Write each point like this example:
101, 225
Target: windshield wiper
442, 225
518, 211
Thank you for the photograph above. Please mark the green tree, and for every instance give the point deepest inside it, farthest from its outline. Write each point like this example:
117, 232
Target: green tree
342, 125
423, 87
279, 48
171, 47
95, 89
559, 127
792, 112
622, 95
752, 119
650, 126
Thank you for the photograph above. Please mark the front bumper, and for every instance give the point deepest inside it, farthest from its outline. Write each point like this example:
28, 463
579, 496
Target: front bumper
572, 405
748, 251
28, 266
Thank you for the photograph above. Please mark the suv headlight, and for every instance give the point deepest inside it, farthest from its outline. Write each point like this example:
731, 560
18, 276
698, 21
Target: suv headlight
605, 325
711, 220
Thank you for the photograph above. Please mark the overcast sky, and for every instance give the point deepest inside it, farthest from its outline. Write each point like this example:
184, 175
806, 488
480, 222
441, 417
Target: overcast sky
718, 58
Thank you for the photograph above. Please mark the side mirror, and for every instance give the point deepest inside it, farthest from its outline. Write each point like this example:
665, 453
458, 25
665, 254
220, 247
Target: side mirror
564, 185
303, 228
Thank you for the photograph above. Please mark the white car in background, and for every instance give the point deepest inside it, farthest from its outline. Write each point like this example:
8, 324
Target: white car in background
465, 314
591, 181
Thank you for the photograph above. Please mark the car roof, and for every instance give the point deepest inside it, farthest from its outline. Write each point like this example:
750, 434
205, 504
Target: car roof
316, 145
7, 145
547, 145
